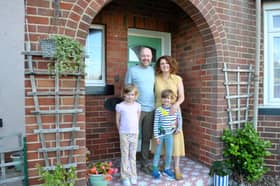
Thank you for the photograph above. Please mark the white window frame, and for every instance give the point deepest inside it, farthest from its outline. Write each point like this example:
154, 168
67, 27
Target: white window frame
269, 9
102, 82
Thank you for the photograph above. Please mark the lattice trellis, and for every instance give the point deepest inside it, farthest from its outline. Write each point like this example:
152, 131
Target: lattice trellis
238, 85
58, 111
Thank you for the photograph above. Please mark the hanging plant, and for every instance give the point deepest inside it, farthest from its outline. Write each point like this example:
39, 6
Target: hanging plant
68, 54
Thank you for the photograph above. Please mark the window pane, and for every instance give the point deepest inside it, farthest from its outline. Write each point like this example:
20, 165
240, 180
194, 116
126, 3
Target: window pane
133, 56
94, 55
276, 65
134, 53
271, 48
276, 21
277, 83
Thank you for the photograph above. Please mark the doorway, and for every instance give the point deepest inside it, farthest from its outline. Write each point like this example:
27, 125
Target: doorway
158, 42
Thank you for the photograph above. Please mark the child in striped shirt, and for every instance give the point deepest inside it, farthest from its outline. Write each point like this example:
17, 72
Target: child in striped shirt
165, 125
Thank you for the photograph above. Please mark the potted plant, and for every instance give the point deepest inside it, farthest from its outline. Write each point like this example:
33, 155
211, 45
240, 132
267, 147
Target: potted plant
57, 177
67, 53
220, 171
100, 173
245, 153
17, 158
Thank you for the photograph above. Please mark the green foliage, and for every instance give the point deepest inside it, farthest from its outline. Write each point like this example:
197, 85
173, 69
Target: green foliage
58, 177
245, 152
69, 55
220, 168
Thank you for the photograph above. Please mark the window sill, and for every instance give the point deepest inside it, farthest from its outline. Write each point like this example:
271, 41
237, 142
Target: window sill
100, 90
269, 110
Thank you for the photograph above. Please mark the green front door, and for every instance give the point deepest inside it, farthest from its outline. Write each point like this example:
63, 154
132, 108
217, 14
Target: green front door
136, 42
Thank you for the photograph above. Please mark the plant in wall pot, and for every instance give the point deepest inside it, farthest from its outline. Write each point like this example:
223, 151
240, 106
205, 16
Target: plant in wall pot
245, 153
220, 171
67, 53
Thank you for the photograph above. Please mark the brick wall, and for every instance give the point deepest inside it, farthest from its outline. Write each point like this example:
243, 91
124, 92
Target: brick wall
205, 36
269, 129
189, 51
39, 18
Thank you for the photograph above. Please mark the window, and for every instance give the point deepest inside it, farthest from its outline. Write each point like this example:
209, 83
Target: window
95, 60
272, 54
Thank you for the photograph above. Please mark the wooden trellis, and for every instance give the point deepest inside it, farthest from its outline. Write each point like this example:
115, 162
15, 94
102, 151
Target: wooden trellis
238, 85
58, 111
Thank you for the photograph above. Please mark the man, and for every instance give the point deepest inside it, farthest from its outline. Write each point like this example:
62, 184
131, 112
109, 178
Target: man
143, 77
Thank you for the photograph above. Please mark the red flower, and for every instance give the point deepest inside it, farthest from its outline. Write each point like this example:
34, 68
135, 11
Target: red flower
111, 171
93, 170
104, 168
108, 177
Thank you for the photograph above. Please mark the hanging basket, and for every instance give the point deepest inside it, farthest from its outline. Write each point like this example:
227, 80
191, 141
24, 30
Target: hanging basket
48, 47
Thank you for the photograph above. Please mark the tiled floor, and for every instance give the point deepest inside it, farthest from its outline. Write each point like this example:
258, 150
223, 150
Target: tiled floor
195, 174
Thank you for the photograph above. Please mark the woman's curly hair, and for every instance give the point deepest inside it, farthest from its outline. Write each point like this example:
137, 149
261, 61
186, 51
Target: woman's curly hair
170, 60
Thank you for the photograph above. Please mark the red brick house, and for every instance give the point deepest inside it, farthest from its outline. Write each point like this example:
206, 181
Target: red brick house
201, 35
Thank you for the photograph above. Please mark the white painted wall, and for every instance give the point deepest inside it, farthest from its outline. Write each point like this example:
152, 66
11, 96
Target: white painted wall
11, 70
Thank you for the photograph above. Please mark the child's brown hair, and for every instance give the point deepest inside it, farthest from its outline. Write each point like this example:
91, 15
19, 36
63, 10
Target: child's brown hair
130, 88
167, 93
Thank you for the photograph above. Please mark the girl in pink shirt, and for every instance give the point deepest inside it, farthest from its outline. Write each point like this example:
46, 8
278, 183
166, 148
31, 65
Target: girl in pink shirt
127, 117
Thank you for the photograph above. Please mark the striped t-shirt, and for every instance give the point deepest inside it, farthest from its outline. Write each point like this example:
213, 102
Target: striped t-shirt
164, 123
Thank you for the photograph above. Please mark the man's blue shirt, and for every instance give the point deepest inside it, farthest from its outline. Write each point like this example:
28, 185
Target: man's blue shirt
143, 78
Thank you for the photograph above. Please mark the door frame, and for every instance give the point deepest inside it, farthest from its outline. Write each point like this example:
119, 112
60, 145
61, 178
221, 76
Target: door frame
164, 36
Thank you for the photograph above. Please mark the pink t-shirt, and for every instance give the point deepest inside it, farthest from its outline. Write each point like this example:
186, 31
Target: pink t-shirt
128, 117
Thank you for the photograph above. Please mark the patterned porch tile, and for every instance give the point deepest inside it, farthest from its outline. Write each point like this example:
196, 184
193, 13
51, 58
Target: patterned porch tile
194, 173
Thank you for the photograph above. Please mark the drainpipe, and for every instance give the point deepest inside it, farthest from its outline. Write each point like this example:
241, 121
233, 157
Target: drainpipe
257, 65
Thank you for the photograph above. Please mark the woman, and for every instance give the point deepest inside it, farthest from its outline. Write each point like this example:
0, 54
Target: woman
166, 78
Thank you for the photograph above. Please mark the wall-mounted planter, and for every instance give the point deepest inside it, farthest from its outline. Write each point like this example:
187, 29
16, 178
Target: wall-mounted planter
47, 47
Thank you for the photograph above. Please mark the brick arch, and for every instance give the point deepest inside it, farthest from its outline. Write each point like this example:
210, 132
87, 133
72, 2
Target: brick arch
207, 21
205, 16
81, 15
209, 25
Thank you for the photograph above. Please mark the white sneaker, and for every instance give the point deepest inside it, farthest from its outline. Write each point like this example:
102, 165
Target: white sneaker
126, 182
133, 180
